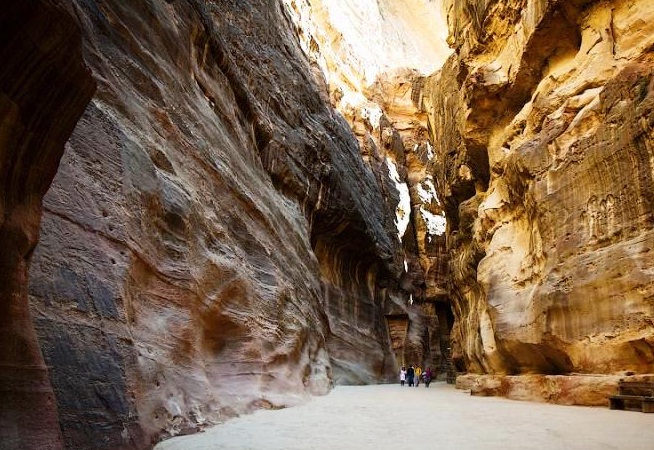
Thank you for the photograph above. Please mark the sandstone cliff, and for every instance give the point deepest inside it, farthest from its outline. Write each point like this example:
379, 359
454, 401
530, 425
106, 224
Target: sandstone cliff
251, 207
542, 122
372, 58
214, 241
44, 88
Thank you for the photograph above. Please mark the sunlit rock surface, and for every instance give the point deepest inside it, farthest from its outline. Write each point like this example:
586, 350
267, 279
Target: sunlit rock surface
366, 56
354, 41
575, 389
543, 127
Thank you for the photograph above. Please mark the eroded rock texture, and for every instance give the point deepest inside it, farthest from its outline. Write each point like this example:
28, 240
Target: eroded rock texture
543, 125
44, 88
374, 79
586, 390
213, 242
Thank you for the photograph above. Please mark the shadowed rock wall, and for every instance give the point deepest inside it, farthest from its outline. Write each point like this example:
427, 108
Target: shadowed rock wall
213, 242
543, 125
44, 88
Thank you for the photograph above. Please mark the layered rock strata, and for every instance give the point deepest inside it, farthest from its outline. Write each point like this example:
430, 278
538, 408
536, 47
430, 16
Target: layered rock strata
373, 78
44, 88
214, 241
543, 126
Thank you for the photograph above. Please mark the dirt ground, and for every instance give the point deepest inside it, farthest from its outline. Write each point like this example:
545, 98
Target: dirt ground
390, 417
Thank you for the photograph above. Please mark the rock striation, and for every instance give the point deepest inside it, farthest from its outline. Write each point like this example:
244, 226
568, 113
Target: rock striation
213, 242
542, 121
376, 87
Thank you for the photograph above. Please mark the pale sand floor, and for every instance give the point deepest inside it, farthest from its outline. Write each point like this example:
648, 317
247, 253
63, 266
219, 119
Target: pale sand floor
390, 417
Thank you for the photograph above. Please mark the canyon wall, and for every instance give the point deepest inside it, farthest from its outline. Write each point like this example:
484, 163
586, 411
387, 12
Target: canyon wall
214, 241
44, 88
252, 207
372, 57
542, 123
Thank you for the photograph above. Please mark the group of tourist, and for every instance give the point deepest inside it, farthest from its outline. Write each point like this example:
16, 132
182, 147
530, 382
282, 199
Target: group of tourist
413, 375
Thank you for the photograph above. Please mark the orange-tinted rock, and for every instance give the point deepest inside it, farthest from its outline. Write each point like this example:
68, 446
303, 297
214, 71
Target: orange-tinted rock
543, 126
575, 389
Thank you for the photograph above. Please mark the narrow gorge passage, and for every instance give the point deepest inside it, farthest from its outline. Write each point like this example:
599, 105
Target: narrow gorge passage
213, 207
387, 417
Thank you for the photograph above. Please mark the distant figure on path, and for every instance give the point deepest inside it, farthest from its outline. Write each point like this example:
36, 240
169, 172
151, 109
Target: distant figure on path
428, 376
410, 374
402, 375
418, 374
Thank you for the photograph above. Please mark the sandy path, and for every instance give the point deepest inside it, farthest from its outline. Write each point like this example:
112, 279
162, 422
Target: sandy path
388, 417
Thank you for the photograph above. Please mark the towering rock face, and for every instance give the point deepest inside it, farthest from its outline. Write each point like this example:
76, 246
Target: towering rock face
214, 241
543, 126
218, 240
44, 88
372, 57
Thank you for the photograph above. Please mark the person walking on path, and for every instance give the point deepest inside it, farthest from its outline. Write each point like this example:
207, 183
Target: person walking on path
402, 375
418, 373
410, 373
428, 376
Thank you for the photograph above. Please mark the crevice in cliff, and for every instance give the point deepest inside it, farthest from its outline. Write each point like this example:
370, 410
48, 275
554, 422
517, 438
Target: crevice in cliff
384, 111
